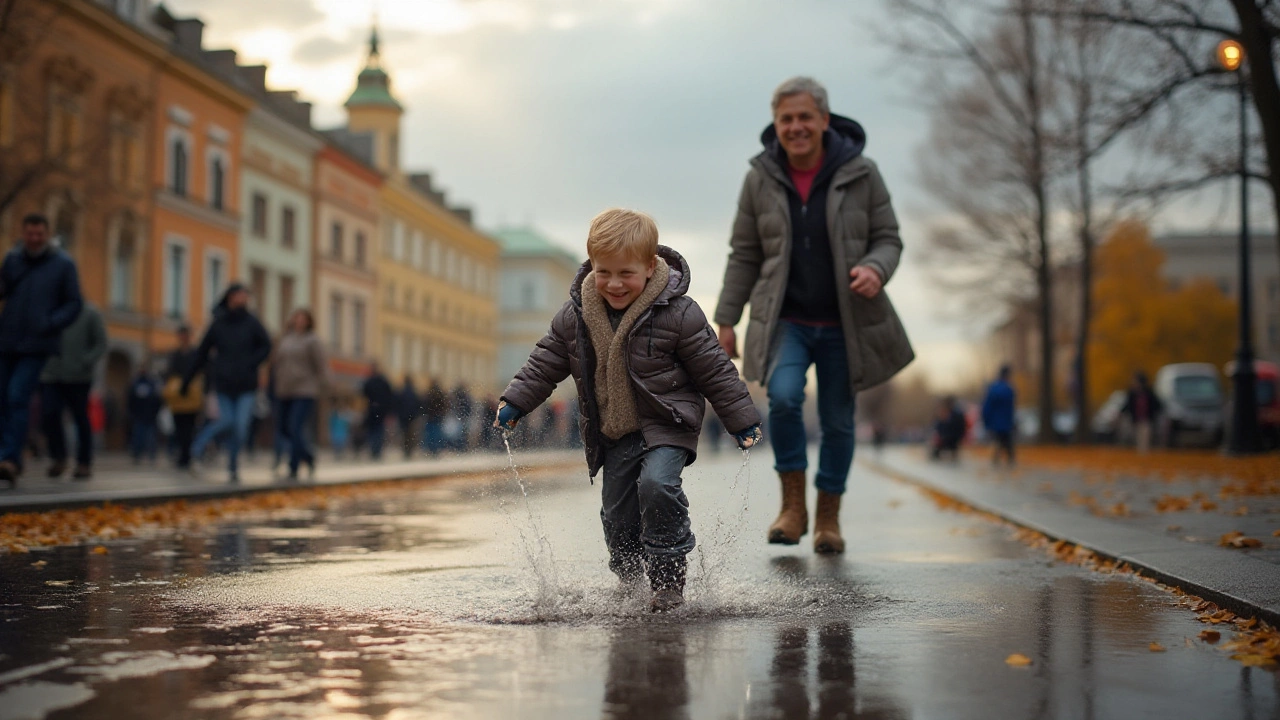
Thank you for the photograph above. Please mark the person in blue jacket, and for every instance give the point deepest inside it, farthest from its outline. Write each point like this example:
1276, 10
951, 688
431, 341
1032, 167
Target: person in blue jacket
997, 415
40, 289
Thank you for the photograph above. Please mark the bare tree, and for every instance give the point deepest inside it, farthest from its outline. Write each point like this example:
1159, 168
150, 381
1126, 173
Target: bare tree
988, 158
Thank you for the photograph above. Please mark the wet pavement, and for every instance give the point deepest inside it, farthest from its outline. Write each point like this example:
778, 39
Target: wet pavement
468, 599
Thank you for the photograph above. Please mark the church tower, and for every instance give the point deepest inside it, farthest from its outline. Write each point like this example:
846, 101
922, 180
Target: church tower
373, 109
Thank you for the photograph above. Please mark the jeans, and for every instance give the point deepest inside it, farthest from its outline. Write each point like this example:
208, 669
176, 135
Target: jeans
235, 413
18, 377
279, 431
377, 437
73, 397
643, 507
433, 440
296, 413
142, 440
184, 432
823, 347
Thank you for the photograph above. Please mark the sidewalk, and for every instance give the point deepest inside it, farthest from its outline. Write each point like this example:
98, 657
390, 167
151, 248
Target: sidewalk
1166, 514
117, 480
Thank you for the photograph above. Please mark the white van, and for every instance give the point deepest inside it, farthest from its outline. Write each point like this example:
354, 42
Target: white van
1193, 403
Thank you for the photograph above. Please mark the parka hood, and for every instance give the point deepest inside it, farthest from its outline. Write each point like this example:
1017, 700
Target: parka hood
677, 281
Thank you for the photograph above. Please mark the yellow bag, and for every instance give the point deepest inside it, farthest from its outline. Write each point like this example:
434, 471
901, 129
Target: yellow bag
179, 404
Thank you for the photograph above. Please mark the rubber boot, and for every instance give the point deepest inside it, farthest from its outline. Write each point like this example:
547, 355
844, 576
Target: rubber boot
826, 525
793, 520
666, 578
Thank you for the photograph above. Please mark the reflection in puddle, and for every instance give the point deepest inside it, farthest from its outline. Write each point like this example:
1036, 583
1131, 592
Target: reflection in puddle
426, 607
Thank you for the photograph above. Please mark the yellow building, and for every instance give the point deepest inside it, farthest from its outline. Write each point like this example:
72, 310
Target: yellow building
437, 276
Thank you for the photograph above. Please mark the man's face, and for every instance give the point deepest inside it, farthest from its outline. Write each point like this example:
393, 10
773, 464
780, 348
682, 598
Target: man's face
184, 338
35, 236
238, 299
800, 125
620, 279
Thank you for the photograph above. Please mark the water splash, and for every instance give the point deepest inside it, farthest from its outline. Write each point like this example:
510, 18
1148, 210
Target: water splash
538, 551
714, 554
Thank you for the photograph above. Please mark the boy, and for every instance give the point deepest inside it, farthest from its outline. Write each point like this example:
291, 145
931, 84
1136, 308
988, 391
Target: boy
643, 358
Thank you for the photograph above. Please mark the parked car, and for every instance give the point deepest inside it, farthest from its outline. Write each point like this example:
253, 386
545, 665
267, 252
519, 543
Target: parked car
1267, 388
1109, 425
1194, 405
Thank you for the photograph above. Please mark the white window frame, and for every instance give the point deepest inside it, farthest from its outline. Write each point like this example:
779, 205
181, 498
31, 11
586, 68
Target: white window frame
417, 250
210, 155
183, 307
212, 295
171, 134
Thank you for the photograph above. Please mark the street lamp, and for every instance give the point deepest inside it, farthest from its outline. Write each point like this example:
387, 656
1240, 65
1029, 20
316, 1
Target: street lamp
1244, 422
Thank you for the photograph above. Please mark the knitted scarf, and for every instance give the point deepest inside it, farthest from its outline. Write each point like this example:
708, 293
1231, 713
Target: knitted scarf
614, 395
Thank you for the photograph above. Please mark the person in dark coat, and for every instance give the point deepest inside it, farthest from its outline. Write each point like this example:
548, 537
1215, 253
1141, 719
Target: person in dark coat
462, 407
949, 429
998, 408
143, 409
645, 362
238, 345
64, 386
435, 406
184, 408
41, 292
1143, 407
380, 404
408, 409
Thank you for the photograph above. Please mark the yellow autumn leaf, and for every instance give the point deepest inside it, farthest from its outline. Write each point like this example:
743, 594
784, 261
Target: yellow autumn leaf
1155, 647
1017, 660
1210, 636
100, 550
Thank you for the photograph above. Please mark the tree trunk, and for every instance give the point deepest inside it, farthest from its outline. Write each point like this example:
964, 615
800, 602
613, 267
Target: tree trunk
1084, 180
1038, 178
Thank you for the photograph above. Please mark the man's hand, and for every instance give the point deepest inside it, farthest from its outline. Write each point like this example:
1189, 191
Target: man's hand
865, 281
750, 437
507, 417
729, 340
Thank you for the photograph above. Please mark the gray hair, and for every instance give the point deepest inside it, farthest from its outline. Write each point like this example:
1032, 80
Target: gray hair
801, 85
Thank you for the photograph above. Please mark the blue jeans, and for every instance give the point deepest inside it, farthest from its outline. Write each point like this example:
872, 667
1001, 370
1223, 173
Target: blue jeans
19, 375
296, 413
235, 413
377, 437
823, 347
433, 440
642, 504
142, 440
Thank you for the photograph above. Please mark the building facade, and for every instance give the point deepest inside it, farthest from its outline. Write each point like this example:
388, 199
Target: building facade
437, 275
276, 224
536, 275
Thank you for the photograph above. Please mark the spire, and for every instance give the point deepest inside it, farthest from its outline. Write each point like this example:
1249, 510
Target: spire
373, 85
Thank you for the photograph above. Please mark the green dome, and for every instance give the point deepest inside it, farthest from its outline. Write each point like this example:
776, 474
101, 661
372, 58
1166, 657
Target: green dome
373, 85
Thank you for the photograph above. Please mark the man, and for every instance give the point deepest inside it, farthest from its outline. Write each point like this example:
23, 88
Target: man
815, 292
435, 406
998, 415
41, 293
185, 408
239, 345
1142, 406
143, 409
64, 385
380, 404
409, 407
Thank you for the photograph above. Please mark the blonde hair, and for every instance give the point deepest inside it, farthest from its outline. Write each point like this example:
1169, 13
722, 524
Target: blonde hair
629, 233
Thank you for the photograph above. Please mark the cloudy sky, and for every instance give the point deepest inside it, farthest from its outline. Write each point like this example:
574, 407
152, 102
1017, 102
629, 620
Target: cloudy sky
547, 111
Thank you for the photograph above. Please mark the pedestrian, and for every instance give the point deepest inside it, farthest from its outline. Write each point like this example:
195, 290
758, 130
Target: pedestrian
409, 407
185, 407
143, 409
462, 409
234, 346
339, 429
1142, 407
41, 292
816, 294
644, 360
301, 373
64, 387
949, 429
435, 408
380, 405
997, 416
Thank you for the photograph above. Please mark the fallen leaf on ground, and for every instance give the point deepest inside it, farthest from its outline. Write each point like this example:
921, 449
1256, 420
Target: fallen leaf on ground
1210, 636
1237, 539
39, 564
1155, 647
1242, 510
100, 550
1275, 533
1174, 528
1017, 660
1253, 660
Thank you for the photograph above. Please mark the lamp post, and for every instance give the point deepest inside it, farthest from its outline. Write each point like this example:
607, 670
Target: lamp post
1244, 421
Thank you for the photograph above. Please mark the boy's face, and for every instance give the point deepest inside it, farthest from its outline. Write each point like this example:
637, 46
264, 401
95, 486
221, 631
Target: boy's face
620, 279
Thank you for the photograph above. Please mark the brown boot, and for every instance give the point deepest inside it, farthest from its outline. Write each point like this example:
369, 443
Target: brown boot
56, 469
793, 520
826, 525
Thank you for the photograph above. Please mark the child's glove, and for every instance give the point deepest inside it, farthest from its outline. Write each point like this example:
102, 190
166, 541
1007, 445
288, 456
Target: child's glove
750, 437
508, 416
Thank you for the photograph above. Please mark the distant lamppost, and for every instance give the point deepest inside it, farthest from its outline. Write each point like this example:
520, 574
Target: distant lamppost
1244, 422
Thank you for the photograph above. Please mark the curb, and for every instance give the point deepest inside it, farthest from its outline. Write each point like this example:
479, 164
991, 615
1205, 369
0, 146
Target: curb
1242, 584
208, 491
